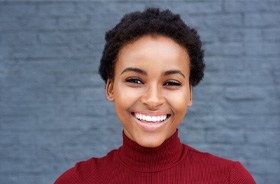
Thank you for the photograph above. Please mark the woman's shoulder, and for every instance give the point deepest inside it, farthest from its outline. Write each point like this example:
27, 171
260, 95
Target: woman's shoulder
82, 172
201, 157
77, 173
234, 170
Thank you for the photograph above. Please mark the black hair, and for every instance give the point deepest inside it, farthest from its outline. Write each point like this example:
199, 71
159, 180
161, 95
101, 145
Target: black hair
152, 21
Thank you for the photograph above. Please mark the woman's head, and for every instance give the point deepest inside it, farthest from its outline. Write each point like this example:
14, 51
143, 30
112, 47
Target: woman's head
150, 62
152, 21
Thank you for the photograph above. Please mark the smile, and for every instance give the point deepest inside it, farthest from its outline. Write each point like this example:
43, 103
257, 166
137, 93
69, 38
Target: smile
143, 117
151, 123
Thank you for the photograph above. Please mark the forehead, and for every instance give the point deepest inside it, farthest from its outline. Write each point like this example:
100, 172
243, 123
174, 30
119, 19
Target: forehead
151, 40
152, 51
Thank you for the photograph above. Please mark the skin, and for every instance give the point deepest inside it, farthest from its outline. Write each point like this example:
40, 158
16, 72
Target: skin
151, 78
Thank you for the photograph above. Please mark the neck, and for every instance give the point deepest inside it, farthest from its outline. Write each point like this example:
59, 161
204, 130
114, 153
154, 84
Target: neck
141, 158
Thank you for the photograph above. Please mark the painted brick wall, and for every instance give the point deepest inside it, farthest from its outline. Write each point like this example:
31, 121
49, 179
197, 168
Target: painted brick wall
53, 111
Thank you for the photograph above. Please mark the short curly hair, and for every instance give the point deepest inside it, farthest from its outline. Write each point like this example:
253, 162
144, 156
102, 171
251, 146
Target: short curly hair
152, 21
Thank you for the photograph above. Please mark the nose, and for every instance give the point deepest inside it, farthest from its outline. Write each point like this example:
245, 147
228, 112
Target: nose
152, 97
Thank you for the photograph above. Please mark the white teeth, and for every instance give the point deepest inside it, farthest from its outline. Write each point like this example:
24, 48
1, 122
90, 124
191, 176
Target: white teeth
150, 118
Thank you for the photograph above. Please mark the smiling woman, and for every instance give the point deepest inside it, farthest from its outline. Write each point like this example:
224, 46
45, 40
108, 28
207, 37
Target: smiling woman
151, 101
150, 63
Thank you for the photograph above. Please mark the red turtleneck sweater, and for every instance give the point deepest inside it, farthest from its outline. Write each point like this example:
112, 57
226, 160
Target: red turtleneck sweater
170, 163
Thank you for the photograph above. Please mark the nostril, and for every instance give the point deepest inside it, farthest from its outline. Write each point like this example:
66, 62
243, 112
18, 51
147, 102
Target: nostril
152, 104
152, 99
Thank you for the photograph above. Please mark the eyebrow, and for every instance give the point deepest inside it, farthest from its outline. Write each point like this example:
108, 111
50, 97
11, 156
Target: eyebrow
140, 71
171, 72
137, 70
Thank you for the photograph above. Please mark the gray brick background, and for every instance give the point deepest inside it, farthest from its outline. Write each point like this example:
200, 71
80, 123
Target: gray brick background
53, 111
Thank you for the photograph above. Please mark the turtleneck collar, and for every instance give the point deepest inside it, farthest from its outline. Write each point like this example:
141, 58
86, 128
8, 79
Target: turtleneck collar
145, 159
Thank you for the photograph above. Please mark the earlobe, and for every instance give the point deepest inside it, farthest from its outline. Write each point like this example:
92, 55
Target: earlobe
110, 90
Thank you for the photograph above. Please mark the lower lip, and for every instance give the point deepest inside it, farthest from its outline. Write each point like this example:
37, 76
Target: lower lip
150, 126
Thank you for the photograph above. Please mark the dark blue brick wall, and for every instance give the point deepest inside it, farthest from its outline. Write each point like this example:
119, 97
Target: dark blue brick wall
53, 111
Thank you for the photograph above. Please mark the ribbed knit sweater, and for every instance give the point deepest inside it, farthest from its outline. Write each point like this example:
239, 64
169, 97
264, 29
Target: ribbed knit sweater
170, 163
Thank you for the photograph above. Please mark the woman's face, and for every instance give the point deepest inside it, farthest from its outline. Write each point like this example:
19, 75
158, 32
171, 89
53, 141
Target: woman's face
151, 89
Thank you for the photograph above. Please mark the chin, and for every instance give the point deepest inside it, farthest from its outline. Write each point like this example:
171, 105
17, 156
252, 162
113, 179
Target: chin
150, 142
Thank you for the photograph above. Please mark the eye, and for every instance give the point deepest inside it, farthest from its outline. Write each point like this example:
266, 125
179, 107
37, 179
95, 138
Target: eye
134, 81
172, 83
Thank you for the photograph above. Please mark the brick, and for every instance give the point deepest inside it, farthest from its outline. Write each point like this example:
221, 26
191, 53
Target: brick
182, 7
17, 9
256, 151
253, 35
251, 6
15, 96
265, 166
262, 49
273, 151
197, 121
46, 137
215, 149
9, 24
27, 23
263, 77
253, 93
230, 35
4, 66
8, 138
227, 49
69, 123
67, 38
200, 93
83, 80
57, 51
203, 108
253, 122
273, 178
99, 11
10, 123
72, 23
19, 38
193, 135
272, 34
91, 95
223, 35
93, 110
260, 178
261, 19
214, 21
226, 136
270, 136
251, 107
241, 64
9, 178
57, 9
14, 110
33, 178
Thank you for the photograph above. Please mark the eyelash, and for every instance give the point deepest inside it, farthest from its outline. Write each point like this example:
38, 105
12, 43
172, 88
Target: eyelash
168, 83
172, 83
134, 80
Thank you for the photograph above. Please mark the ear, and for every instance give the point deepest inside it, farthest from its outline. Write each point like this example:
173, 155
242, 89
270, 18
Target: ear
189, 102
110, 90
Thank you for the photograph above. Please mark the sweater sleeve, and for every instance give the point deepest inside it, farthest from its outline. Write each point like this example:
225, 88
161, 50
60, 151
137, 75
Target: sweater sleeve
239, 175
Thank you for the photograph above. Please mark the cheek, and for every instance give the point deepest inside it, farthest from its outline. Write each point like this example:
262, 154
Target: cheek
178, 100
125, 97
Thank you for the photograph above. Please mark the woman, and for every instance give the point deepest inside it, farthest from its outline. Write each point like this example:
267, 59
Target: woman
150, 63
